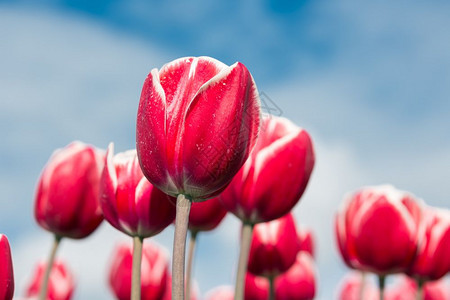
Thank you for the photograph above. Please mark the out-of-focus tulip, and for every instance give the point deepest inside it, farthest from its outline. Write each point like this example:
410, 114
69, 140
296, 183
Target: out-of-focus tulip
197, 122
61, 283
433, 256
224, 292
306, 239
154, 272
67, 196
274, 247
377, 229
406, 289
299, 282
350, 288
207, 215
256, 287
275, 176
6, 270
129, 201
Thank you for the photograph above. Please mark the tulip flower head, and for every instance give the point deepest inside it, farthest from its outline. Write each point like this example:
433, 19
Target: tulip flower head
351, 285
299, 282
197, 122
6, 270
406, 288
275, 176
256, 287
207, 215
61, 282
129, 201
433, 256
67, 197
377, 229
274, 247
306, 239
154, 272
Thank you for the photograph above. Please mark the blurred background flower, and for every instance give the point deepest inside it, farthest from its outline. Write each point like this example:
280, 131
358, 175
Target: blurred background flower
369, 81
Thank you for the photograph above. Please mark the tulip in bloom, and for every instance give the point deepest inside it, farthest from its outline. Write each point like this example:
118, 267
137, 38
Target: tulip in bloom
433, 256
197, 122
274, 247
299, 282
67, 197
377, 229
154, 272
306, 239
351, 285
275, 176
256, 287
6, 270
207, 215
129, 201
61, 282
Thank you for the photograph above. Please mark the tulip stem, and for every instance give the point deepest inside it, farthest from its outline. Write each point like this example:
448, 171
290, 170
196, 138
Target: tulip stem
246, 239
362, 286
271, 288
179, 246
419, 295
381, 283
136, 271
48, 269
190, 262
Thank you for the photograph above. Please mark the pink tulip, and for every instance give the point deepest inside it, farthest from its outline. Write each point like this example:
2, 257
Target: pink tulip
67, 196
220, 293
377, 229
406, 289
129, 201
274, 247
306, 239
154, 272
275, 176
433, 256
61, 282
299, 282
6, 270
197, 122
207, 215
256, 287
350, 288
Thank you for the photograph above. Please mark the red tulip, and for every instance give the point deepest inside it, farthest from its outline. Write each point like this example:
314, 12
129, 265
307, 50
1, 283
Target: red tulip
274, 247
306, 239
197, 122
299, 282
130, 203
220, 293
274, 177
350, 288
256, 287
377, 229
406, 289
433, 257
207, 215
61, 282
154, 272
67, 197
6, 270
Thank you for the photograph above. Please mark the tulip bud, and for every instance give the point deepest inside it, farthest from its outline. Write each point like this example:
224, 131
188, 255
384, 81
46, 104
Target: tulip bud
220, 293
299, 282
377, 229
6, 270
275, 176
351, 285
433, 255
67, 196
274, 247
129, 201
256, 287
61, 282
306, 239
207, 215
154, 272
197, 122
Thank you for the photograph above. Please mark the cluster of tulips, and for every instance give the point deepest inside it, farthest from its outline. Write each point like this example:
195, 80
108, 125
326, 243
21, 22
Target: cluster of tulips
383, 230
203, 149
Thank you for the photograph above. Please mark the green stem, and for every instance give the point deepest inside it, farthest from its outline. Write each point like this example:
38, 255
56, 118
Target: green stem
190, 262
51, 259
271, 288
246, 240
136, 271
362, 286
420, 294
179, 246
381, 283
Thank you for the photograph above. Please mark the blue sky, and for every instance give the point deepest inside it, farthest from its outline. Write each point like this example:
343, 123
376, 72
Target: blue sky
369, 81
